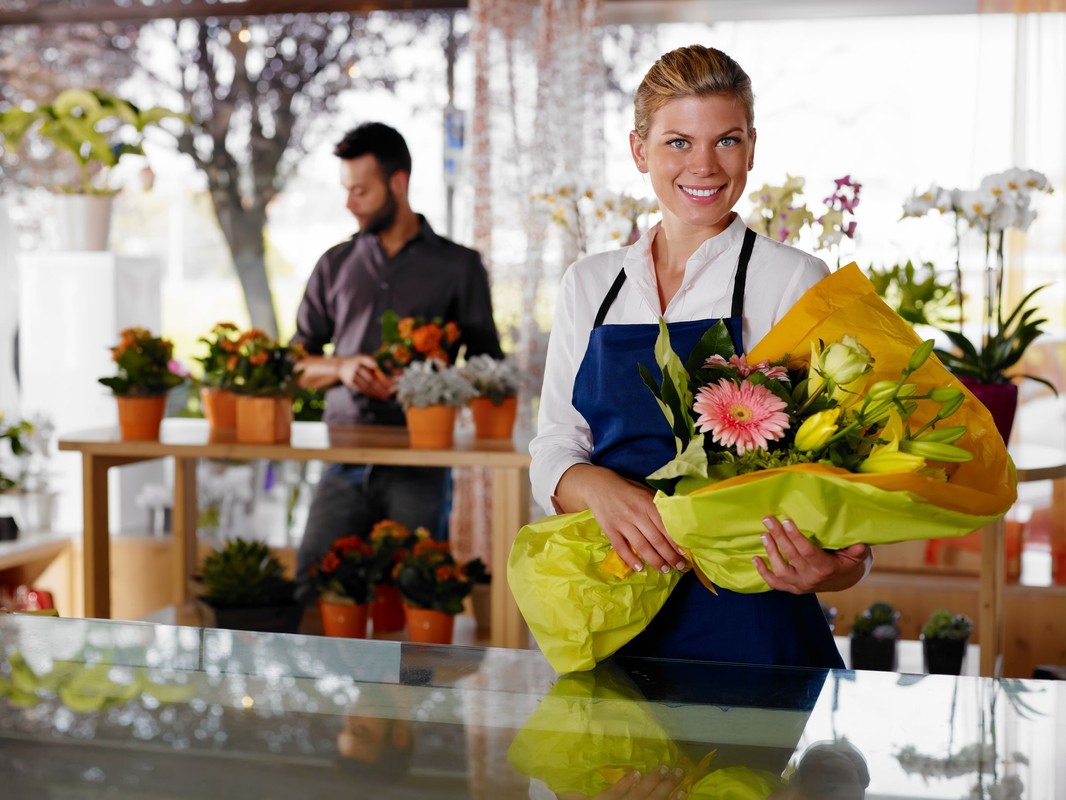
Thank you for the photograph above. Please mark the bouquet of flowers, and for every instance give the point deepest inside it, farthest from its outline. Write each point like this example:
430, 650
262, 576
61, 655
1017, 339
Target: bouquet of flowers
429, 577
855, 446
414, 339
146, 365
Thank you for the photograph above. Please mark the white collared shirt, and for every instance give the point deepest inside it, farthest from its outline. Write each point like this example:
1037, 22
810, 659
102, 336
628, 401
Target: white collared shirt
777, 276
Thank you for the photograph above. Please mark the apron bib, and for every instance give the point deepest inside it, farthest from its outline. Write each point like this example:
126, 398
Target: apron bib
631, 437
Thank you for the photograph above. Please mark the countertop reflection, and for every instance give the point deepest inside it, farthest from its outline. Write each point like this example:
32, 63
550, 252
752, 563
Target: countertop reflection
101, 708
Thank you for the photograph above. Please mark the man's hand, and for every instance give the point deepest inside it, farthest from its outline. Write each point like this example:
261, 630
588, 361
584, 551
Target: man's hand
794, 564
361, 373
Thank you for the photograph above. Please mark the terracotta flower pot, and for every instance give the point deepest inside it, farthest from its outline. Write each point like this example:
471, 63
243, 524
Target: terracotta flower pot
432, 427
343, 619
493, 421
429, 626
1001, 400
219, 407
264, 420
139, 418
386, 609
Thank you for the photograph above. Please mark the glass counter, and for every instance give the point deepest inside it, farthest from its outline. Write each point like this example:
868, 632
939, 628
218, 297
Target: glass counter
136, 710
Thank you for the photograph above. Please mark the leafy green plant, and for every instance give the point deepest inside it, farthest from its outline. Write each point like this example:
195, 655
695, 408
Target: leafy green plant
13, 434
477, 572
244, 573
879, 621
428, 577
145, 364
942, 624
916, 293
97, 128
1003, 345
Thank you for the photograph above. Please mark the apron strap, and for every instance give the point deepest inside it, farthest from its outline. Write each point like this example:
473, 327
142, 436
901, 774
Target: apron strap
738, 284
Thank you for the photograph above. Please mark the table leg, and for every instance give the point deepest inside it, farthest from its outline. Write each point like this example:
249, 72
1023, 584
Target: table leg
990, 597
96, 532
510, 511
184, 524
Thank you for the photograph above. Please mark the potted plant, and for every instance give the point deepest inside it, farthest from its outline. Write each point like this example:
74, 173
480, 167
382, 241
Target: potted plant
147, 371
433, 587
409, 339
244, 588
480, 595
97, 129
944, 638
391, 541
219, 375
916, 293
873, 638
346, 577
984, 362
431, 393
496, 404
265, 381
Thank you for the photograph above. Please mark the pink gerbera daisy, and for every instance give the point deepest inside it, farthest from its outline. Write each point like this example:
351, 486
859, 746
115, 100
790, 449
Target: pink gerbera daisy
744, 369
746, 415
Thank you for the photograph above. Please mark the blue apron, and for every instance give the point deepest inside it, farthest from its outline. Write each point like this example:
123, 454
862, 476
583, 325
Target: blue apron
631, 437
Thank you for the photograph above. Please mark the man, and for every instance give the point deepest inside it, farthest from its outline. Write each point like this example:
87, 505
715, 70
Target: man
396, 262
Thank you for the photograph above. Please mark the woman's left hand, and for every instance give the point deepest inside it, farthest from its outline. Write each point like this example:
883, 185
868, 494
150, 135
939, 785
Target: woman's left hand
795, 564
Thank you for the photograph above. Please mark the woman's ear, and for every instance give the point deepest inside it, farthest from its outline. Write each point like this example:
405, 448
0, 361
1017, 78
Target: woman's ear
637, 148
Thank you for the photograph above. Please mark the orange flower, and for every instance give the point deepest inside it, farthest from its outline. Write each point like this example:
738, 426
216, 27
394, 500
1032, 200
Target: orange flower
231, 362
401, 353
259, 358
406, 327
426, 338
439, 354
389, 528
330, 562
451, 332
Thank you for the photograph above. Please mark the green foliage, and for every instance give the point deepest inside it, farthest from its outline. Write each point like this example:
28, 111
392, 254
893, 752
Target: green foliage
13, 434
477, 572
428, 577
916, 293
245, 573
308, 405
880, 621
93, 126
1002, 348
144, 365
942, 624
264, 367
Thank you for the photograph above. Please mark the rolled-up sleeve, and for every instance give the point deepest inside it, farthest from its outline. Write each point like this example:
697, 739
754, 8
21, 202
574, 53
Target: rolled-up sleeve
563, 437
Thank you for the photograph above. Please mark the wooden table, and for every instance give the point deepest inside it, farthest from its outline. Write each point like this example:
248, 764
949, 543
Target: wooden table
1033, 463
187, 440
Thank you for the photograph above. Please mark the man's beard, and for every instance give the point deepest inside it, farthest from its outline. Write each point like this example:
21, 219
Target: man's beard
384, 216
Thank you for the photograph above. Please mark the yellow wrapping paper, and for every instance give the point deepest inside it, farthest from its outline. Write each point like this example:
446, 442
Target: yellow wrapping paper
590, 731
582, 615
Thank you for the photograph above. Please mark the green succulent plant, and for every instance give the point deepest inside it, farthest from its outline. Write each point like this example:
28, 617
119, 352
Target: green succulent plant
244, 573
942, 624
880, 621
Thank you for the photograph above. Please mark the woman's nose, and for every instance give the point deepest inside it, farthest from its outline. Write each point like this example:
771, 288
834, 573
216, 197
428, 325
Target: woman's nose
704, 161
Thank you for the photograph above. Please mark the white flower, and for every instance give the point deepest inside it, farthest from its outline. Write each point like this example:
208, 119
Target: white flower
919, 204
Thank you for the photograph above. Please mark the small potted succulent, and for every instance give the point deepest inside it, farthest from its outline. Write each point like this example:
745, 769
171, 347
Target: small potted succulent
497, 382
874, 636
431, 393
944, 638
146, 372
243, 588
433, 587
480, 596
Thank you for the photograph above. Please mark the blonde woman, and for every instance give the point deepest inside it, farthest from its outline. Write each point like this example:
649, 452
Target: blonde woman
600, 431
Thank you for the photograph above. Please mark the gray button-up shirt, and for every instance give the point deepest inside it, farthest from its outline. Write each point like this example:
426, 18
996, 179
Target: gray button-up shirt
354, 284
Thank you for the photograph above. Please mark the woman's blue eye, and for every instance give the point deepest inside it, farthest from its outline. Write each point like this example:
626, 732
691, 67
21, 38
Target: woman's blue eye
728, 141
677, 144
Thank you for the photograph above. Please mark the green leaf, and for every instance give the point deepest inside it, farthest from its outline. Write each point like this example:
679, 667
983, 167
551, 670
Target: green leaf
691, 462
715, 341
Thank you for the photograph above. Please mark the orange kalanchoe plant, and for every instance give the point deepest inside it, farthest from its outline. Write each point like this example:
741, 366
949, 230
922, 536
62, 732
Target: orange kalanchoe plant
349, 571
408, 339
429, 577
145, 364
263, 366
220, 363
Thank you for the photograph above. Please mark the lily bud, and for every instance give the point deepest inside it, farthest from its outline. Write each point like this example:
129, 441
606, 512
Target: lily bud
891, 461
936, 451
920, 355
945, 394
947, 434
882, 390
817, 430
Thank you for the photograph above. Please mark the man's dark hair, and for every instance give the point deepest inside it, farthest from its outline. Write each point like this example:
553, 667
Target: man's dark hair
379, 140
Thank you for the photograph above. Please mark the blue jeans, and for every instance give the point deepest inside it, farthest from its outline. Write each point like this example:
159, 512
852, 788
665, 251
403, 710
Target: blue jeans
351, 498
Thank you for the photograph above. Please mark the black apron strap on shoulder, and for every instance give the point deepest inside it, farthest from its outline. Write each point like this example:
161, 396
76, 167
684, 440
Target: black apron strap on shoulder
612, 293
742, 273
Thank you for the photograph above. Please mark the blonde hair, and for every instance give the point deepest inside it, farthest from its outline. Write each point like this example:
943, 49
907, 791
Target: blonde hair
693, 71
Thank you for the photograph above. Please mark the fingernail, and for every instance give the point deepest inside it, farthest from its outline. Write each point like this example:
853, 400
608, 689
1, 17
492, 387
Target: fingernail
768, 522
681, 565
755, 560
663, 769
664, 568
638, 567
678, 773
680, 794
634, 775
765, 540
681, 552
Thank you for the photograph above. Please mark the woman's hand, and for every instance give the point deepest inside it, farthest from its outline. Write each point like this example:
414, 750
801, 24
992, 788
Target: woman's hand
795, 564
626, 513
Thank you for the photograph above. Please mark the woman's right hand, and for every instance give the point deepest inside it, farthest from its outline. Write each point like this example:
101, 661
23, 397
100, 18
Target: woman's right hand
626, 513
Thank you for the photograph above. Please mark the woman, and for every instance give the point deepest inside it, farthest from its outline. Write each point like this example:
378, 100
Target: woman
600, 431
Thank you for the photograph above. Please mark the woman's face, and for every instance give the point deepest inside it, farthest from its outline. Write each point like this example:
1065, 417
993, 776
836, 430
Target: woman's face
698, 152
